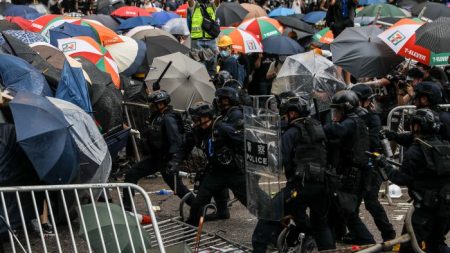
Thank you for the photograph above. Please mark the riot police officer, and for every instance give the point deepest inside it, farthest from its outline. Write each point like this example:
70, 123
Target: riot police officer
304, 160
225, 153
348, 139
164, 141
373, 122
426, 173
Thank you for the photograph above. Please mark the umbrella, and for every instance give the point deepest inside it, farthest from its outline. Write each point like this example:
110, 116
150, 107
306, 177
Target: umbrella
177, 26
24, 51
47, 22
230, 13
18, 75
124, 229
382, 10
152, 10
18, 10
128, 55
129, 12
370, 2
281, 11
68, 30
32, 16
281, 45
104, 35
55, 23
401, 38
360, 52
25, 36
99, 80
243, 41
105, 20
95, 160
388, 21
182, 10
262, 27
162, 45
314, 17
6, 25
295, 23
324, 36
161, 18
72, 88
435, 36
431, 10
91, 50
51, 54
134, 22
410, 4
186, 80
44, 135
309, 73
139, 33
254, 11
3, 6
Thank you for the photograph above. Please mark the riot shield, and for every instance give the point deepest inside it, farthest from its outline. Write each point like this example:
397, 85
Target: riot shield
263, 164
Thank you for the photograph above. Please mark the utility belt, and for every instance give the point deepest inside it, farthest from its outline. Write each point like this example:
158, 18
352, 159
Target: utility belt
434, 199
347, 181
311, 173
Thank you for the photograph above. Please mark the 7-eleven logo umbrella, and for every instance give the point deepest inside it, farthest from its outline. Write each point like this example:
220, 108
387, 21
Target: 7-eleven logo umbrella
401, 38
244, 42
325, 36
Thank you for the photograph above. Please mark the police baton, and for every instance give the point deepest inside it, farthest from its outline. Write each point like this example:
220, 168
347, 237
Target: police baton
377, 156
155, 85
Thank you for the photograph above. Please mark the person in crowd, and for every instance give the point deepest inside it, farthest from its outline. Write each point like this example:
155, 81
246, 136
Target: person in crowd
260, 84
324, 5
275, 67
297, 6
340, 15
228, 59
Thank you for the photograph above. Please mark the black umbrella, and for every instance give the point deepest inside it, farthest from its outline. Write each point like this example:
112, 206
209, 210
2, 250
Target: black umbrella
295, 23
281, 45
435, 35
6, 25
230, 13
22, 50
105, 20
162, 45
431, 10
99, 79
388, 21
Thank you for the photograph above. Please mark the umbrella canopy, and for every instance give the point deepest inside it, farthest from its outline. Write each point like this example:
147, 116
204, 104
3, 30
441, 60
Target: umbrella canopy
24, 24
370, 2
182, 10
382, 10
360, 52
262, 27
25, 36
118, 223
314, 17
91, 50
281, 11
3, 6
24, 51
99, 80
431, 10
128, 55
281, 45
134, 22
161, 18
44, 135
105, 20
95, 164
18, 75
68, 30
129, 12
295, 23
47, 22
435, 36
254, 11
18, 10
309, 73
139, 33
177, 26
162, 45
324, 36
401, 38
243, 41
104, 35
39, 7
6, 25
153, 9
230, 13
186, 80
51, 54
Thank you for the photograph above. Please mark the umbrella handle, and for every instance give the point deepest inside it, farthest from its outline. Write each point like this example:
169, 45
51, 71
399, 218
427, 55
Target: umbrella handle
156, 84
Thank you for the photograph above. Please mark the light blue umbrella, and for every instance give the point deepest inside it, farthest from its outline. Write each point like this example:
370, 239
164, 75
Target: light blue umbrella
281, 11
314, 17
369, 2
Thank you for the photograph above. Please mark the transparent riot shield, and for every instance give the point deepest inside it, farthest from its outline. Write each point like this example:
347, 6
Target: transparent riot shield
265, 178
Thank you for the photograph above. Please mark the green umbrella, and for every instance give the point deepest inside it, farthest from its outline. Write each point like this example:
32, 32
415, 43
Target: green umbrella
108, 227
382, 10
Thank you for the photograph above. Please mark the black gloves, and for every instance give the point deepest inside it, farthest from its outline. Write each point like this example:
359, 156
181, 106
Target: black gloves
390, 135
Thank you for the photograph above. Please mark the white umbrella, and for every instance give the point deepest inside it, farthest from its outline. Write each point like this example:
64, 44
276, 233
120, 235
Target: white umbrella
177, 26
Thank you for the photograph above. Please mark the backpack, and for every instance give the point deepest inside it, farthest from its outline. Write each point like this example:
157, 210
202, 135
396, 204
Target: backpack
210, 26
437, 156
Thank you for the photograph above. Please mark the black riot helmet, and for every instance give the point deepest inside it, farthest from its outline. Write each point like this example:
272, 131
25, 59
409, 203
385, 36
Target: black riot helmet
221, 78
428, 120
363, 91
346, 100
429, 89
201, 109
228, 92
282, 98
159, 96
297, 104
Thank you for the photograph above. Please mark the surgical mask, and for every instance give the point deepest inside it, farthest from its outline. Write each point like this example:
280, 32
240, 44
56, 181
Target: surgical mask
224, 53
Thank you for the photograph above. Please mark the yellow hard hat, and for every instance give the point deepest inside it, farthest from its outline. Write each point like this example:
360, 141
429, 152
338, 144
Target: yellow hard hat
224, 41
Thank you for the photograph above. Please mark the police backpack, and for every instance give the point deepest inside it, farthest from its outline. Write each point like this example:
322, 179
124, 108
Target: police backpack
437, 156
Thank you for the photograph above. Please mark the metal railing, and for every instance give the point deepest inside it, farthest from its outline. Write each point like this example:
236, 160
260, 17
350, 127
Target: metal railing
103, 226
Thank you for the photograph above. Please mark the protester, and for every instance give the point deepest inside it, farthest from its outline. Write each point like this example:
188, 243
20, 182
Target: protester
228, 59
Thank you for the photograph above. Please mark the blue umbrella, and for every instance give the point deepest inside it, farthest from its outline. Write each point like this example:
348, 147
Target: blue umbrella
161, 18
314, 17
44, 135
281, 11
369, 2
18, 75
281, 45
32, 16
131, 23
68, 30
72, 88
18, 10
25, 36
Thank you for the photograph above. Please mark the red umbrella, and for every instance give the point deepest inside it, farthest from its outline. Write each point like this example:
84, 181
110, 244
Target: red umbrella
129, 12
182, 10
23, 23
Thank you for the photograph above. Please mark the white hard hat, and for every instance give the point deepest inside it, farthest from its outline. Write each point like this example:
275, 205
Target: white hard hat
395, 191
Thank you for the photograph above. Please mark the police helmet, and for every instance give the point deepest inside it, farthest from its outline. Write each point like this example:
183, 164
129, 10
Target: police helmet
159, 96
232, 83
431, 90
347, 100
221, 78
428, 120
284, 96
299, 105
202, 108
228, 92
363, 91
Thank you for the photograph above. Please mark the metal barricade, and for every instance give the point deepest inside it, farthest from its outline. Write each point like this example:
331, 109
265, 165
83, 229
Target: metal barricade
102, 225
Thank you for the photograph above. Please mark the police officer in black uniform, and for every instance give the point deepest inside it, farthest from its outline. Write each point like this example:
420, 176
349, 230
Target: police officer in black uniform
164, 140
348, 139
304, 160
225, 153
426, 173
373, 122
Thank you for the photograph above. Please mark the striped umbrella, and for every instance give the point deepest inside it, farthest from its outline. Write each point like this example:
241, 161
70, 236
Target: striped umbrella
244, 42
48, 23
401, 38
382, 10
262, 27
325, 36
105, 35
86, 47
